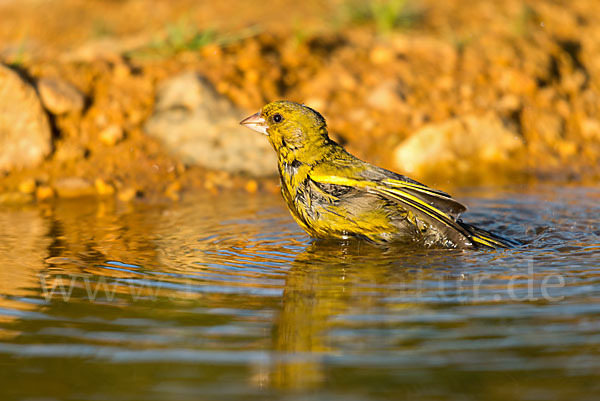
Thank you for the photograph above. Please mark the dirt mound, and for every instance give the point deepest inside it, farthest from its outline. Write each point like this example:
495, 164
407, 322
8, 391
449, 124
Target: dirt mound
380, 73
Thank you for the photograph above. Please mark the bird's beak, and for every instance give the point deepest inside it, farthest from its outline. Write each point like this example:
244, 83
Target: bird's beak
255, 122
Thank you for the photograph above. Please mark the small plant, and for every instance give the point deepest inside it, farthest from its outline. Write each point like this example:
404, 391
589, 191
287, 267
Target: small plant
183, 36
387, 15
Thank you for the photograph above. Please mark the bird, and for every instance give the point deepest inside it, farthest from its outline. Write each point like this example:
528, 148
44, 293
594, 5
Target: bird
332, 194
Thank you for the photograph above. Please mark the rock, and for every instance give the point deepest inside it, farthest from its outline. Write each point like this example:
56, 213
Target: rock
590, 129
27, 186
72, 187
25, 136
111, 135
103, 188
187, 90
44, 192
127, 194
462, 144
201, 127
251, 186
59, 97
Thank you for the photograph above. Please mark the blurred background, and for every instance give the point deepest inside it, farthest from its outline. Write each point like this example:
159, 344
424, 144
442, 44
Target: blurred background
141, 99
145, 252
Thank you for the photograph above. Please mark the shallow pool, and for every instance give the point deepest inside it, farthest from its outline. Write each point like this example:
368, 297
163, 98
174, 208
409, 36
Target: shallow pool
226, 298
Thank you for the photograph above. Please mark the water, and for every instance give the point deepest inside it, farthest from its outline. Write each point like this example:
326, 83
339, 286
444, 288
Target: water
226, 298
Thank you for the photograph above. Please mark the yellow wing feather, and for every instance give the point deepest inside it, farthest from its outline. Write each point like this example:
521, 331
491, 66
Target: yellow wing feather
394, 189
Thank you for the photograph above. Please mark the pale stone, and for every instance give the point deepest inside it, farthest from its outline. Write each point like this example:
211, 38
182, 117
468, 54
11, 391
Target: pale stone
72, 187
462, 142
201, 127
111, 135
25, 136
59, 97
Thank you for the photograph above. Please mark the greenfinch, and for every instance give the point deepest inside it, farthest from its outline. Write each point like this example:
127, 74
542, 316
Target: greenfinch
334, 195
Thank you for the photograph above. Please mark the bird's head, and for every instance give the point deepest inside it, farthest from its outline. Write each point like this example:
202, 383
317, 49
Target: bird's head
290, 127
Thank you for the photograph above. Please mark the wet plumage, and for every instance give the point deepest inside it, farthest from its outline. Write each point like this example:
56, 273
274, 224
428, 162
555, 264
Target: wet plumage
332, 194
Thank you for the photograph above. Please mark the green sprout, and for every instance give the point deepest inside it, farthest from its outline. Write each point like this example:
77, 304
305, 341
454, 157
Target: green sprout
185, 37
386, 15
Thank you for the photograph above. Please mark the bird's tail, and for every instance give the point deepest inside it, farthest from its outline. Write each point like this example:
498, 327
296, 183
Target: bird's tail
481, 237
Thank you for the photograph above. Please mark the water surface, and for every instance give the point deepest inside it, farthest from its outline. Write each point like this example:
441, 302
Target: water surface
225, 297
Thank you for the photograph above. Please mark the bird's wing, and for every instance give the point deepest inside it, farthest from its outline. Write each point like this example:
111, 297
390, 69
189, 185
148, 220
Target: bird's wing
416, 197
364, 175
434, 199
344, 165
405, 193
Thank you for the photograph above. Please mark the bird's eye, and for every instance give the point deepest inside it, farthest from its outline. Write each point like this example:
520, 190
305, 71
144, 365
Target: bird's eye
277, 118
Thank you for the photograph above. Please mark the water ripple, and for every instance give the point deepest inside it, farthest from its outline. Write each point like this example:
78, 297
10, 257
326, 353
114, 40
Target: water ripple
231, 290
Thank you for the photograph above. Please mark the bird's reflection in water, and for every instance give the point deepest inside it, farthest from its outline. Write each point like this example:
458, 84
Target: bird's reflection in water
330, 281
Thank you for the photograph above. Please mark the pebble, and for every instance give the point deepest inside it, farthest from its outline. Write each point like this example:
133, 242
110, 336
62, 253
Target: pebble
111, 135
103, 188
251, 186
126, 194
73, 187
60, 97
44, 192
27, 186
